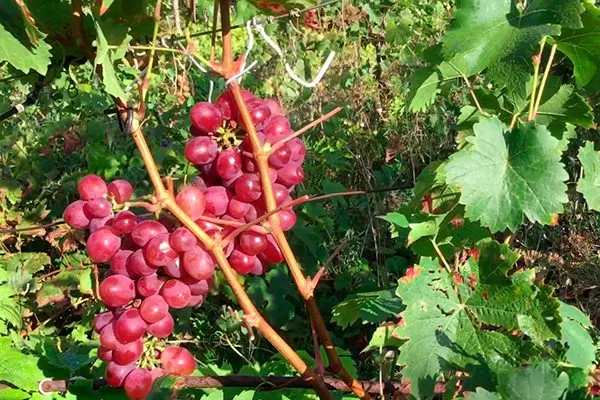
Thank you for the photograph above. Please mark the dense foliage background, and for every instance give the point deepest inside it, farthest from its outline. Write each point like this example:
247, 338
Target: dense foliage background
405, 107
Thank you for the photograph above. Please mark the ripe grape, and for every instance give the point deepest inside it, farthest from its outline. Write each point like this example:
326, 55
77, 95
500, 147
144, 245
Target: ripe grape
138, 384
237, 208
281, 156
74, 215
259, 114
197, 288
102, 244
129, 326
101, 320
98, 223
137, 265
162, 328
158, 251
153, 309
117, 290
287, 219
273, 106
128, 353
120, 190
281, 194
181, 240
198, 263
118, 262
290, 175
146, 230
252, 243
272, 254
173, 269
191, 200
217, 200
228, 164
247, 188
177, 361
124, 222
206, 117
277, 128
105, 354
97, 208
108, 339
91, 187
298, 150
149, 285
201, 150
241, 262
195, 301
176, 293
115, 374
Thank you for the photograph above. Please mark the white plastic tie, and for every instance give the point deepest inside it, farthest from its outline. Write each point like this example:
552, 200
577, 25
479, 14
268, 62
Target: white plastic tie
288, 68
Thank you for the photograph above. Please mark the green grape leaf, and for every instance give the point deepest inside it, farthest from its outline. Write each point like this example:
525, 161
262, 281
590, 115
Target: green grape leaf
17, 368
562, 103
501, 36
482, 394
104, 58
532, 383
506, 175
384, 336
589, 183
582, 46
574, 327
373, 307
10, 309
425, 84
272, 294
21, 43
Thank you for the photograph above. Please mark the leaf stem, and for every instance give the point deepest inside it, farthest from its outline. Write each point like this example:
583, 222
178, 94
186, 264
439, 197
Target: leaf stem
441, 256
300, 131
146, 82
543, 84
537, 60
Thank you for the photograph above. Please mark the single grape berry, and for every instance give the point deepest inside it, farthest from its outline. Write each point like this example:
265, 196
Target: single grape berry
176, 293
247, 188
206, 117
102, 244
138, 384
129, 326
124, 222
198, 263
201, 150
191, 200
153, 309
115, 374
91, 187
148, 285
146, 230
138, 265
120, 190
118, 262
97, 208
228, 163
217, 200
108, 339
98, 223
241, 262
177, 361
101, 320
105, 354
158, 251
117, 290
252, 243
162, 328
181, 240
74, 215
128, 353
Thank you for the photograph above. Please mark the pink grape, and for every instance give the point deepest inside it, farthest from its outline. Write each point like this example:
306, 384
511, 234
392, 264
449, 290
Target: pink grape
102, 245
173, 269
138, 384
228, 163
104, 354
241, 262
277, 128
237, 208
252, 243
137, 265
98, 223
197, 288
247, 188
117, 290
118, 262
162, 328
148, 285
281, 157
157, 373
146, 230
287, 218
181, 240
259, 267
281, 194
290, 175
158, 251
108, 339
195, 301
298, 150
273, 106
177, 361
74, 215
153, 309
206, 117
129, 326
91, 187
124, 222
115, 374
128, 353
191, 200
176, 293
217, 200
272, 254
120, 190
102, 319
201, 150
198, 263
259, 114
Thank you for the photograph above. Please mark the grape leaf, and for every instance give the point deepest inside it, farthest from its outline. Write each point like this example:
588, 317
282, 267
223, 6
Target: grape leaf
17, 368
384, 336
482, 394
532, 383
21, 43
103, 58
501, 36
374, 307
507, 175
589, 183
575, 335
582, 46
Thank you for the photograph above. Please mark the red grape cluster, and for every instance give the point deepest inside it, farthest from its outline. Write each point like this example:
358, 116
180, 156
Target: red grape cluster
229, 177
154, 266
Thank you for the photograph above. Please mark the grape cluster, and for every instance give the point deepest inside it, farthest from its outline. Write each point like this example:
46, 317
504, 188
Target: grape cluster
221, 150
157, 265
149, 263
